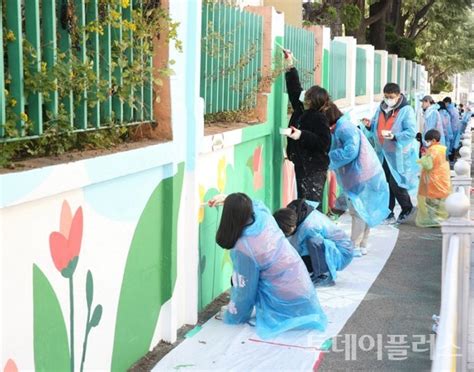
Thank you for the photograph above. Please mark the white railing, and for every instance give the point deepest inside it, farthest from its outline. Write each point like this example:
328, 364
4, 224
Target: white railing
445, 353
451, 350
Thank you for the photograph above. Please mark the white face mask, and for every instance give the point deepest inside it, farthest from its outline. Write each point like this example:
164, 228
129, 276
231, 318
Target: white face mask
428, 143
390, 102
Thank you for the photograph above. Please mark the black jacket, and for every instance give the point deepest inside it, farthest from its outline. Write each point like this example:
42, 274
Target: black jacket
311, 150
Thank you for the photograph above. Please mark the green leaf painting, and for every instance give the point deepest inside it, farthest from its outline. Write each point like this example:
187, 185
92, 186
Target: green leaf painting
150, 273
51, 345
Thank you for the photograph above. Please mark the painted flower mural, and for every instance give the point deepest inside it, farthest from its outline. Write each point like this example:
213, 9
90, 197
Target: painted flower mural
289, 184
221, 174
65, 247
10, 366
258, 168
202, 193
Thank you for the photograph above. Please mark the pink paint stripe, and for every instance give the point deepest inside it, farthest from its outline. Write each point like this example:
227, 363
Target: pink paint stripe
318, 361
285, 345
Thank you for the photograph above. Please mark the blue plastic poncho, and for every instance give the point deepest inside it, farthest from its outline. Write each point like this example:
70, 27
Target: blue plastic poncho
465, 120
448, 131
401, 154
359, 172
433, 121
454, 115
318, 228
269, 274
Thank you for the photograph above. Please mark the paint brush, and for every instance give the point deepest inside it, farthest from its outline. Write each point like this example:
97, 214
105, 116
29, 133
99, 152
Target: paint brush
286, 51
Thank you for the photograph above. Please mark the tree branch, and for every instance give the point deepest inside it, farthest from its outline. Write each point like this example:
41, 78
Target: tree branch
420, 29
380, 14
412, 30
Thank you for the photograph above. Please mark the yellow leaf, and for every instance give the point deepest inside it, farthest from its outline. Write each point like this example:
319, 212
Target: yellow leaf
221, 176
202, 192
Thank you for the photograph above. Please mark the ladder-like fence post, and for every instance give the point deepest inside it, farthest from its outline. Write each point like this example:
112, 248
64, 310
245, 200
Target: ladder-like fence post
458, 205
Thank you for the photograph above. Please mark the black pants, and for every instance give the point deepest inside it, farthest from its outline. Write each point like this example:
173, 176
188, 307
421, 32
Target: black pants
310, 184
396, 192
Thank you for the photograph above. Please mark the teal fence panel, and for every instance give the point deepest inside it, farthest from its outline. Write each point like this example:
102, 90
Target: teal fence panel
389, 70
399, 72
302, 44
377, 73
361, 72
72, 41
337, 73
408, 77
231, 58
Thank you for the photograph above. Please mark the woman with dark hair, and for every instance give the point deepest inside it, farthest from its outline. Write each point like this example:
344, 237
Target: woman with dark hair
310, 139
268, 273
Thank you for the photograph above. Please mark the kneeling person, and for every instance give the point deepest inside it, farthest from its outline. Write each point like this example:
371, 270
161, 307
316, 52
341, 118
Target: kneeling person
324, 247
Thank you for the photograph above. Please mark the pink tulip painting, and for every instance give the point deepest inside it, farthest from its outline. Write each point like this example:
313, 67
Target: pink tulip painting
65, 245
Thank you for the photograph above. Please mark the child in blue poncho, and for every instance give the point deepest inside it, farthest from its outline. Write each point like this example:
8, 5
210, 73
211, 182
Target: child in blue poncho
361, 176
268, 272
324, 247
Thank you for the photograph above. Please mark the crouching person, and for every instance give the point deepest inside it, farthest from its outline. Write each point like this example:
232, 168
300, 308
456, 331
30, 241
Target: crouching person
268, 273
324, 247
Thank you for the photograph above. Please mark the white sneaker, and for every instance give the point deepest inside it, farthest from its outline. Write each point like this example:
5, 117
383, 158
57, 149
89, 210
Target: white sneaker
356, 252
363, 250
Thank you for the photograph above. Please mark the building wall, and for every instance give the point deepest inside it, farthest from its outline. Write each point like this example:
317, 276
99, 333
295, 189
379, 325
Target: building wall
293, 10
129, 218
137, 224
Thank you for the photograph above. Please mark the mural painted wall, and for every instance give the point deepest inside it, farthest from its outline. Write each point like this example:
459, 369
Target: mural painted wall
94, 268
85, 273
103, 258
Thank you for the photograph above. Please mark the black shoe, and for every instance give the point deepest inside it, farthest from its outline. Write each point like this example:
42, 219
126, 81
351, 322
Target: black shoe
405, 215
324, 281
390, 220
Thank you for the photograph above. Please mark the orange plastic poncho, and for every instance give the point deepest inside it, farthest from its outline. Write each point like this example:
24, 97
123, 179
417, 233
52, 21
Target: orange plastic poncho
434, 188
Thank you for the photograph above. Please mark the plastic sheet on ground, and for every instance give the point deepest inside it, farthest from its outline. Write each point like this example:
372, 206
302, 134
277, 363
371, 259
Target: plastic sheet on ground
218, 346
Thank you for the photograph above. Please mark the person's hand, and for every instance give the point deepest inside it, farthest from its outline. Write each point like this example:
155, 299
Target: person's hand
366, 122
289, 59
388, 135
295, 134
217, 200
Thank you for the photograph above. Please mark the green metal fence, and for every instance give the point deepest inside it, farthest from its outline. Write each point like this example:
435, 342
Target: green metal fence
54, 49
231, 58
389, 70
302, 43
361, 72
337, 84
377, 73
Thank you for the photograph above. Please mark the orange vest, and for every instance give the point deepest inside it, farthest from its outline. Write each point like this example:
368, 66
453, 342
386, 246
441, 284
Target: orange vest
385, 124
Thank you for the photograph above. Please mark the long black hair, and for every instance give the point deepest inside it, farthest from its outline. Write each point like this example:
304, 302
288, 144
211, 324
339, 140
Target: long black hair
236, 215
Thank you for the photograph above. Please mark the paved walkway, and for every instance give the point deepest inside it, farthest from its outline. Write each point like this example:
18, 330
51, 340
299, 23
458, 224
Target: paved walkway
397, 310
